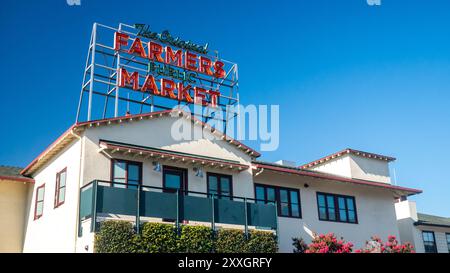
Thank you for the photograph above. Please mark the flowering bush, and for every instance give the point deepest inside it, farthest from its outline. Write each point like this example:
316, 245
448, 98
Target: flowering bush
327, 243
376, 245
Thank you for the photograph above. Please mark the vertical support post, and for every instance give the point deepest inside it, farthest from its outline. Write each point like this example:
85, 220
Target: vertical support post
94, 206
246, 217
177, 222
91, 83
116, 101
138, 209
213, 212
276, 223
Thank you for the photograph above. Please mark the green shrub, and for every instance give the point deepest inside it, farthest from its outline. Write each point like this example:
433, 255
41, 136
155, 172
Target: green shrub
261, 242
119, 237
195, 239
158, 238
115, 237
230, 241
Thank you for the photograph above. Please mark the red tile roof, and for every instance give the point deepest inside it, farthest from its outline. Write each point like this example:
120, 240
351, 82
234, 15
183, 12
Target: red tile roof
298, 171
344, 152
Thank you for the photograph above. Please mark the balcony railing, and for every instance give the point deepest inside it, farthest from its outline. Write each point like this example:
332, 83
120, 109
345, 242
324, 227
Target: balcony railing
143, 202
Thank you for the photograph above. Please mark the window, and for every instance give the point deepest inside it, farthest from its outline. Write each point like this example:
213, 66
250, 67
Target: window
174, 179
126, 174
39, 203
60, 188
288, 200
338, 208
447, 236
220, 185
429, 242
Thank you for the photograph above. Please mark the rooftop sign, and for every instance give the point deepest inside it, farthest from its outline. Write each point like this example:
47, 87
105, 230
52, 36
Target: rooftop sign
139, 70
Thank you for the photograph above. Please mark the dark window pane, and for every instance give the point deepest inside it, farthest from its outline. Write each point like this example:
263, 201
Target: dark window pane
225, 186
330, 201
270, 194
331, 214
284, 209
173, 181
321, 199
351, 216
295, 210
294, 197
342, 215
350, 204
341, 203
212, 184
284, 196
133, 172
322, 213
260, 194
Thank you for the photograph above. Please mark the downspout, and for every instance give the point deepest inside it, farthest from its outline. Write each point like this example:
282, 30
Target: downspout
72, 132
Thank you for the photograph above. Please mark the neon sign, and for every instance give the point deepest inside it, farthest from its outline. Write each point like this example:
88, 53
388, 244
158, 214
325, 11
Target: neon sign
166, 61
131, 69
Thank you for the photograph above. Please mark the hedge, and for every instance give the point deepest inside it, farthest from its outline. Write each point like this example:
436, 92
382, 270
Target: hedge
120, 237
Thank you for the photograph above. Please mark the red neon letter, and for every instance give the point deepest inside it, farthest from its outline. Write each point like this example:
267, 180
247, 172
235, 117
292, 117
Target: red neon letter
120, 39
219, 71
150, 85
214, 97
171, 57
154, 51
137, 48
200, 96
190, 61
125, 78
205, 65
183, 92
167, 86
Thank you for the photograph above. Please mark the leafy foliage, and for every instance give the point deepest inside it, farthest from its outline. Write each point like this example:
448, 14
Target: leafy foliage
299, 245
261, 242
195, 239
115, 237
230, 241
119, 237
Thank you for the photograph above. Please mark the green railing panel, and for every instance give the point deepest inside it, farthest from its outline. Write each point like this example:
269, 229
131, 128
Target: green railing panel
229, 212
196, 208
262, 215
86, 202
159, 204
116, 200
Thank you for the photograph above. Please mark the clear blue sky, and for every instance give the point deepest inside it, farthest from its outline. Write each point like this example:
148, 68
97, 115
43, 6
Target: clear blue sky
345, 74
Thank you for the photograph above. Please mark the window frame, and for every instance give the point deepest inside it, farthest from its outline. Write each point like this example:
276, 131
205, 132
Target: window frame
278, 199
219, 185
57, 202
185, 184
434, 241
127, 162
336, 207
36, 217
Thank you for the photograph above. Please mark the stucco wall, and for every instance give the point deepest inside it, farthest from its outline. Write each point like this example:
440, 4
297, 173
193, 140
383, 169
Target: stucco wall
13, 202
375, 211
55, 231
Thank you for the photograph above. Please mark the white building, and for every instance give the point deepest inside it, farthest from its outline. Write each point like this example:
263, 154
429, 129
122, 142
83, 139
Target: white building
94, 169
428, 233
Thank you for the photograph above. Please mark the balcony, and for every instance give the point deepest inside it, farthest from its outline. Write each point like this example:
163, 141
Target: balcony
103, 200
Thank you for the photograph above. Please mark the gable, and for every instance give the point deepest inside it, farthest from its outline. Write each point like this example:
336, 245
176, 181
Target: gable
169, 133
